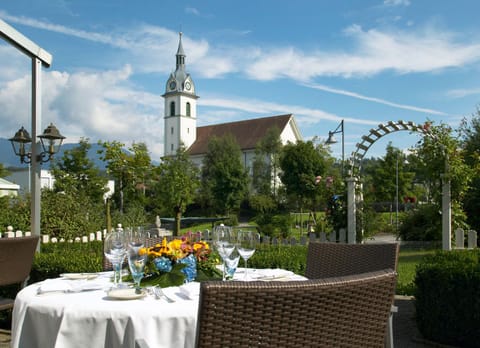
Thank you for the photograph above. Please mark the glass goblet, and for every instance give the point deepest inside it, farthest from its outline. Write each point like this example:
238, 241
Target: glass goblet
247, 241
115, 250
136, 238
231, 263
136, 263
223, 242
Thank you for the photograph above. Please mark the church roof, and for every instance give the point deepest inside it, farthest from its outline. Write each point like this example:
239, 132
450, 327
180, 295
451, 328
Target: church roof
247, 133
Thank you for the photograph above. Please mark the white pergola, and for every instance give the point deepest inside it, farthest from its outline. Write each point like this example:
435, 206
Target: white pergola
39, 57
356, 163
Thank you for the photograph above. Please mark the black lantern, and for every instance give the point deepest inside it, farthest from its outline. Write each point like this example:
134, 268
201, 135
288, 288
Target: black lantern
51, 140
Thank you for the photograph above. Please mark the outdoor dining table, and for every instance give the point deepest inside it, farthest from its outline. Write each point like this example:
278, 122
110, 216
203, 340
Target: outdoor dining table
71, 313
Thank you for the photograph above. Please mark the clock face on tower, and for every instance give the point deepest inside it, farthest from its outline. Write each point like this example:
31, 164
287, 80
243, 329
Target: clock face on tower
173, 85
188, 86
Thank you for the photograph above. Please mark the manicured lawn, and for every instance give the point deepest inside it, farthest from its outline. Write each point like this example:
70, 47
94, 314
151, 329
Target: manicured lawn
407, 263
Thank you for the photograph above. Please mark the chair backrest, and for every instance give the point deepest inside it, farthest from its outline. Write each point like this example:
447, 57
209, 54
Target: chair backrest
16, 258
349, 311
149, 242
338, 259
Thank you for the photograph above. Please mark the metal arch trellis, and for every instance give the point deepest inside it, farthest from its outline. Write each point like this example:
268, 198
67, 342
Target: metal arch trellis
377, 133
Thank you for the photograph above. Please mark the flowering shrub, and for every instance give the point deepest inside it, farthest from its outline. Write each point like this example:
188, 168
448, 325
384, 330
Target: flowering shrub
172, 263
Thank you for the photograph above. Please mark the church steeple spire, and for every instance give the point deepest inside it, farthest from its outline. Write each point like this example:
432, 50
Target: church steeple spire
180, 54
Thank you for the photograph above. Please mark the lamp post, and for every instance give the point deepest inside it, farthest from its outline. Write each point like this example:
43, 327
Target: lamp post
39, 58
331, 140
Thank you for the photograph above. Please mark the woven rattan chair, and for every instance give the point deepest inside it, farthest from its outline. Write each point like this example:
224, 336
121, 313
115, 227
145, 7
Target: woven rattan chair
16, 258
149, 242
349, 311
337, 259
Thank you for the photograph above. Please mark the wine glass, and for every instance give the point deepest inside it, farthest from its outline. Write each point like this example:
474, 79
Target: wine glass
115, 250
136, 238
224, 244
231, 263
136, 263
247, 241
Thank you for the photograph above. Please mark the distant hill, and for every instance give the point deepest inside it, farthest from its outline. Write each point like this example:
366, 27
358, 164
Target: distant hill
9, 159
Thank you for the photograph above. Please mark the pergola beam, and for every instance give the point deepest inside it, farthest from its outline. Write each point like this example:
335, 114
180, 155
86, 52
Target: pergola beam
24, 44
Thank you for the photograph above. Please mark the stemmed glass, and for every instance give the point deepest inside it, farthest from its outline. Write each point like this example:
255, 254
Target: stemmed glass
115, 250
136, 263
224, 244
247, 241
136, 238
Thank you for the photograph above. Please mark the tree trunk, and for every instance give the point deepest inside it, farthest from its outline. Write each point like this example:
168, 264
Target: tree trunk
178, 220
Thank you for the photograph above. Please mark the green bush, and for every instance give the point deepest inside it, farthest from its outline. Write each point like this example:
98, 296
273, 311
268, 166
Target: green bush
422, 224
448, 297
58, 258
274, 225
292, 258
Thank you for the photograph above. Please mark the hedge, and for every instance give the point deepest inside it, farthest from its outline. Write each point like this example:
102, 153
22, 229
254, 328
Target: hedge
447, 297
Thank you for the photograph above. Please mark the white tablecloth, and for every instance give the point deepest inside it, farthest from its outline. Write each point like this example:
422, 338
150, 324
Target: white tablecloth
90, 319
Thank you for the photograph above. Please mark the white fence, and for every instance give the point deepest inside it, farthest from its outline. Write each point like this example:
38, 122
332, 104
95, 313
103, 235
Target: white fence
471, 240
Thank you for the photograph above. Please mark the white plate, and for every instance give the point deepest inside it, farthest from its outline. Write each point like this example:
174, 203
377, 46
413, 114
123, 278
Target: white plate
125, 294
75, 276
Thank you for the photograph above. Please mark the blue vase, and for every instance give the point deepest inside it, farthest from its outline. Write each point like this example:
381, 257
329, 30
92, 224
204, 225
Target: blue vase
190, 270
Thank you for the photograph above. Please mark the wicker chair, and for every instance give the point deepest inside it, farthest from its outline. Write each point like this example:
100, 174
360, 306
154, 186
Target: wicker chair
149, 242
337, 259
349, 311
16, 258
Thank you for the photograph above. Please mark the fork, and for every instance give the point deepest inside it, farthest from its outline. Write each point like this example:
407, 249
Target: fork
159, 293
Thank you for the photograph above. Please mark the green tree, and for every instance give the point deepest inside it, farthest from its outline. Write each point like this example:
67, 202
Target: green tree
440, 156
3, 171
177, 182
130, 169
301, 165
471, 144
388, 175
75, 173
265, 166
224, 179
66, 215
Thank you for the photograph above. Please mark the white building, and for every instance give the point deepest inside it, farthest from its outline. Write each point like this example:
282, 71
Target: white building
21, 177
181, 121
7, 188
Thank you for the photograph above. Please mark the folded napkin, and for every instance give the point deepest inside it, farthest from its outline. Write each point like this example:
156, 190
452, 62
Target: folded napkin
190, 290
64, 285
270, 274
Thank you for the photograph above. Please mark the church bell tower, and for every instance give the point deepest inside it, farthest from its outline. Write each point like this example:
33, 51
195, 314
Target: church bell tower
180, 107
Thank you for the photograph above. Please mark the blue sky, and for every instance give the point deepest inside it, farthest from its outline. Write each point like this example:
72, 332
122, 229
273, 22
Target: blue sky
363, 61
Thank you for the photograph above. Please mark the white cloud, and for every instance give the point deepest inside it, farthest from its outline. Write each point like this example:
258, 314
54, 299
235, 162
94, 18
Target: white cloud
307, 116
460, 93
375, 100
102, 105
396, 2
373, 52
192, 10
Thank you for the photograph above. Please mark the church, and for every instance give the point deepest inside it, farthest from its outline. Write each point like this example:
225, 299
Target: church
180, 117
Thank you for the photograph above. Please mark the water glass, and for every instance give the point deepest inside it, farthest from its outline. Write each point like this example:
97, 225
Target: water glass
247, 241
136, 263
231, 264
224, 243
115, 250
136, 237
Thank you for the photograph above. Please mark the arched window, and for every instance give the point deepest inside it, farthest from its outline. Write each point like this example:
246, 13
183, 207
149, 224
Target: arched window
188, 109
172, 108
